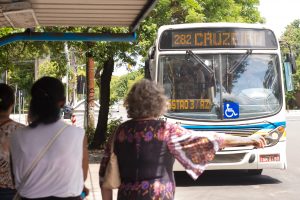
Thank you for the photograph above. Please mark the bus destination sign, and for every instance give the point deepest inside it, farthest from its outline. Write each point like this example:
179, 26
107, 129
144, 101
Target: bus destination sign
218, 38
189, 104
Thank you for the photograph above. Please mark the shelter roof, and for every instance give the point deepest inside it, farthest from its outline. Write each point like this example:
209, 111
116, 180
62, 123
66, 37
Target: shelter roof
109, 13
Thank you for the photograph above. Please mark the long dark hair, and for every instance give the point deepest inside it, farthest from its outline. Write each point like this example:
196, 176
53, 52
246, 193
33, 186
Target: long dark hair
46, 93
7, 97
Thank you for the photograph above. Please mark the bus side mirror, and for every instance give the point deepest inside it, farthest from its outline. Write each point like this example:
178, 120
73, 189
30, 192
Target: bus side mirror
291, 59
147, 70
149, 64
294, 66
288, 71
151, 52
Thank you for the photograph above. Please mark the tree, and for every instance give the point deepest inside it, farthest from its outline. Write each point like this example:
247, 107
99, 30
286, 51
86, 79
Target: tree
291, 38
18, 59
291, 43
231, 11
121, 85
107, 54
50, 68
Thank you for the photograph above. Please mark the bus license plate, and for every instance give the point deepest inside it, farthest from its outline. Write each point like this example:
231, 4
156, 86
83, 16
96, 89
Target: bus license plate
269, 158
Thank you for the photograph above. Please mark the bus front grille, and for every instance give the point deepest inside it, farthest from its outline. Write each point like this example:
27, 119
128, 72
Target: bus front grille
228, 158
239, 132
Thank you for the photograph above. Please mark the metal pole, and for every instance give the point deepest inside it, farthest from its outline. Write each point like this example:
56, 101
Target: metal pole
20, 93
36, 69
67, 75
15, 99
74, 68
23, 102
85, 107
6, 75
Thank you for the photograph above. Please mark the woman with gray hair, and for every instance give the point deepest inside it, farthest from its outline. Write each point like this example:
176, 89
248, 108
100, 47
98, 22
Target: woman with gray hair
146, 147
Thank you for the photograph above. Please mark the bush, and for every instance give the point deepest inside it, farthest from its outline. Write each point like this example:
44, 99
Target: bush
90, 132
112, 126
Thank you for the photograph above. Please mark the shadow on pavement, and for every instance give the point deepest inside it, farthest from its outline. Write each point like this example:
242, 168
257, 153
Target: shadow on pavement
223, 178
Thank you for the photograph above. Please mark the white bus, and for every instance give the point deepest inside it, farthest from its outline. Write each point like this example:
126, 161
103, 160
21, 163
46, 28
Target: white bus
224, 77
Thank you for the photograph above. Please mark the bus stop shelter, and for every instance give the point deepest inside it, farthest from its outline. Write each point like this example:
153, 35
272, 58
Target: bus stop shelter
75, 13
108, 13
102, 13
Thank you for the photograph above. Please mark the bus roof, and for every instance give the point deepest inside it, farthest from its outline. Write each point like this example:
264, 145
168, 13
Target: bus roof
113, 13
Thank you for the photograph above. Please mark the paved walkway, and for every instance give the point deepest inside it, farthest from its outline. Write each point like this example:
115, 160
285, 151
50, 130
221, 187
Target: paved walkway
93, 183
290, 113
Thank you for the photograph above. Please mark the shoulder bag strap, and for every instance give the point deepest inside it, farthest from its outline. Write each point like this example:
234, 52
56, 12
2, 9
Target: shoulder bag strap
114, 139
40, 156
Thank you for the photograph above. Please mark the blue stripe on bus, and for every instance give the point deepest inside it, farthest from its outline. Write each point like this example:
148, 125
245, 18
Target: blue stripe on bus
216, 127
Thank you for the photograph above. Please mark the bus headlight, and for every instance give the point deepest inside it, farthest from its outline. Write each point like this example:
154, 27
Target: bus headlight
273, 136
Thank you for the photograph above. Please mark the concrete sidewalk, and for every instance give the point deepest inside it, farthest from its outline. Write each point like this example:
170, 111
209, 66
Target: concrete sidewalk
92, 183
292, 113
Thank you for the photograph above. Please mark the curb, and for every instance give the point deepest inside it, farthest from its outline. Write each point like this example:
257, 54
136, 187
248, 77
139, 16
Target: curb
293, 113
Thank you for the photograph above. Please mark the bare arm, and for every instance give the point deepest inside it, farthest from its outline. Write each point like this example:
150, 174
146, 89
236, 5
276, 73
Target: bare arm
255, 140
106, 194
85, 160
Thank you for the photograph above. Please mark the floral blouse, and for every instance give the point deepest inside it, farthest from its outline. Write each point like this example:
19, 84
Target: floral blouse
146, 151
6, 130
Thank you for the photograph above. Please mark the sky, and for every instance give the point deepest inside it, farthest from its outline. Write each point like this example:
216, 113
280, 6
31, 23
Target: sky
279, 13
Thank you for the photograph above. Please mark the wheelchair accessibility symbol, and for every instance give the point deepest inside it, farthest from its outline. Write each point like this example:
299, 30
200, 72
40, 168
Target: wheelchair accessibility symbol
231, 110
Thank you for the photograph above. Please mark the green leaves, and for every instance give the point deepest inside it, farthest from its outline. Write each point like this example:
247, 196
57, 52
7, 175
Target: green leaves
291, 37
50, 68
231, 11
121, 85
291, 42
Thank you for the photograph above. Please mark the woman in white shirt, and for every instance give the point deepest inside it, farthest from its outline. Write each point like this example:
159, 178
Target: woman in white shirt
61, 172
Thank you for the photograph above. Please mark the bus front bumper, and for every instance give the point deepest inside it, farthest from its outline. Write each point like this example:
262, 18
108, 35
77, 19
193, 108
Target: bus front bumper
242, 159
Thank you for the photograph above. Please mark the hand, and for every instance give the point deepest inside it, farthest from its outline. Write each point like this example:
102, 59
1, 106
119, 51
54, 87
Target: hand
86, 190
258, 140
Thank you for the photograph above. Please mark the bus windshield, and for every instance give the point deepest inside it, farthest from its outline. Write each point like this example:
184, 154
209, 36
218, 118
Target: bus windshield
250, 80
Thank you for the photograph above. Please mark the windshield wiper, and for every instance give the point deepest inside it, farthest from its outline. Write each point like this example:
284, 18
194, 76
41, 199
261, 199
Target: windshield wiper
237, 64
189, 54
